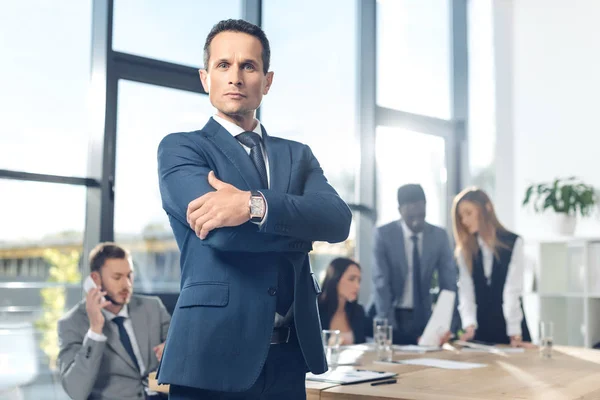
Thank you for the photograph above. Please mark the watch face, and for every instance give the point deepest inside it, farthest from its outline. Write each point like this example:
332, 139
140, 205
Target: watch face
257, 206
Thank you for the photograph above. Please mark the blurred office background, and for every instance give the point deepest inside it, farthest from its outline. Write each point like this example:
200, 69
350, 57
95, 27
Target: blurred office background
446, 93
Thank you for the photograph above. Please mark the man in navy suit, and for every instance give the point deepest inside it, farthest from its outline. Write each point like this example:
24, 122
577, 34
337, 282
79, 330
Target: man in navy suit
407, 252
245, 208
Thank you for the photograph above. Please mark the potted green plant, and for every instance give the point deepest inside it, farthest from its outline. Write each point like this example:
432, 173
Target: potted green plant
567, 197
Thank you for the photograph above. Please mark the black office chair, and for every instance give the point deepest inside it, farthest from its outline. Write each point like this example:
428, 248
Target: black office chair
168, 299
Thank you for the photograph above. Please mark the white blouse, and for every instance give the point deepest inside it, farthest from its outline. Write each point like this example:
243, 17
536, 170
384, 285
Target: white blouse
513, 288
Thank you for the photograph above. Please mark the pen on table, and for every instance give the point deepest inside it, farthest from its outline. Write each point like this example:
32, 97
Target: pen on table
384, 382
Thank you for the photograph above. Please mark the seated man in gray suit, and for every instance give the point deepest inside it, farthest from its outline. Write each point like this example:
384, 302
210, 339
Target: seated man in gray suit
111, 340
407, 252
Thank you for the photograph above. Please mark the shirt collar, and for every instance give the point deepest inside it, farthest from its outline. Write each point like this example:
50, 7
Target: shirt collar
407, 232
234, 129
123, 313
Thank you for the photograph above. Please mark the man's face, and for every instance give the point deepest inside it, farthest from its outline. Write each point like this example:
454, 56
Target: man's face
234, 77
116, 279
413, 215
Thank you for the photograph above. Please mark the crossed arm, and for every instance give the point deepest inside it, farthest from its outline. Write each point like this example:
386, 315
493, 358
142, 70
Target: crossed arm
218, 213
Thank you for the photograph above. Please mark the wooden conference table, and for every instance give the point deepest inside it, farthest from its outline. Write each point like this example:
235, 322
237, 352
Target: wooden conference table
571, 373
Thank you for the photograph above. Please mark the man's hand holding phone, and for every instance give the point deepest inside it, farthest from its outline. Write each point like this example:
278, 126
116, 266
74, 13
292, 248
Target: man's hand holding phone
94, 303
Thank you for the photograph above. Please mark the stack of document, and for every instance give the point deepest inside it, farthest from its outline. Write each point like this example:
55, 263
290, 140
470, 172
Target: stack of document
437, 363
412, 348
348, 375
478, 347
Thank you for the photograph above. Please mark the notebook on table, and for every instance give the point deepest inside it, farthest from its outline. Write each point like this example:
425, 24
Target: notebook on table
349, 375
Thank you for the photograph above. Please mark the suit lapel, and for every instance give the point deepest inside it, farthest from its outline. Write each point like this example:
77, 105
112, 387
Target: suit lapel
140, 324
400, 252
428, 252
234, 152
280, 163
113, 341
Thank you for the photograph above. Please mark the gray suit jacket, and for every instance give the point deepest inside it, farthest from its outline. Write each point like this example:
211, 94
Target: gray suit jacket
103, 370
391, 266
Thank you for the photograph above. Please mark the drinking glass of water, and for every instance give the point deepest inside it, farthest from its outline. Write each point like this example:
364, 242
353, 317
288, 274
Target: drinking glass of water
383, 341
546, 338
331, 342
378, 321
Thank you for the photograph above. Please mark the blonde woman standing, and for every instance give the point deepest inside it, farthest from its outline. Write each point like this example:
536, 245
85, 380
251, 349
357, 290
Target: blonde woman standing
490, 260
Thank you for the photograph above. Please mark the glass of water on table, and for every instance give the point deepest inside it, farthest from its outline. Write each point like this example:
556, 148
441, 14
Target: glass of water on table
546, 338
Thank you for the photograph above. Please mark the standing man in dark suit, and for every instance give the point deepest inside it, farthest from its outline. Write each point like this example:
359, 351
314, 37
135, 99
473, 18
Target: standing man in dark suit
245, 208
110, 341
407, 252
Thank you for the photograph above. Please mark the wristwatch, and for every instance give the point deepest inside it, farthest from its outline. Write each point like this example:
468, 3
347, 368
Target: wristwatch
257, 206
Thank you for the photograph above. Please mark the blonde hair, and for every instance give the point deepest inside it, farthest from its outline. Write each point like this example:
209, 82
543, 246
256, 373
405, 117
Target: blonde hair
489, 226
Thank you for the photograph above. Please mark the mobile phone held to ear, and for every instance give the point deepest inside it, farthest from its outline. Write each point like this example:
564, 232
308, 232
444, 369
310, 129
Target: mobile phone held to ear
89, 284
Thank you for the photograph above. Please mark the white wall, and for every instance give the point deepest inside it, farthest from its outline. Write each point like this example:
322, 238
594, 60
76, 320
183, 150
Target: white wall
555, 68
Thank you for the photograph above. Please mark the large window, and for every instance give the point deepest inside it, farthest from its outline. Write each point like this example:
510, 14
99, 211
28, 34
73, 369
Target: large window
420, 122
403, 157
313, 97
413, 56
482, 116
146, 114
40, 255
171, 31
44, 77
35, 217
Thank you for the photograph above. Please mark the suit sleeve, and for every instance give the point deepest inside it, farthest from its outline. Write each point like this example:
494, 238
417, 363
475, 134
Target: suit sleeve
447, 270
448, 275
319, 214
183, 177
79, 360
466, 295
513, 290
382, 280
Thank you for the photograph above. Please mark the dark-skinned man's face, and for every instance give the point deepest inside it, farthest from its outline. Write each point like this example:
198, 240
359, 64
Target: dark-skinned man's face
413, 215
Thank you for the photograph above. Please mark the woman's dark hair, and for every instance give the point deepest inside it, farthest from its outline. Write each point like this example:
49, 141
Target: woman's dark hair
328, 299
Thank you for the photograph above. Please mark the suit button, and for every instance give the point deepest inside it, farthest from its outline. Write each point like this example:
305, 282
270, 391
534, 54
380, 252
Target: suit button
272, 291
140, 394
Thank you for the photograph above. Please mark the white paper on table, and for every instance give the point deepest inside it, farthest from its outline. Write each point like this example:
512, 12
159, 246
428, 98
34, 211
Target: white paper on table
360, 347
349, 356
508, 350
440, 320
437, 363
413, 348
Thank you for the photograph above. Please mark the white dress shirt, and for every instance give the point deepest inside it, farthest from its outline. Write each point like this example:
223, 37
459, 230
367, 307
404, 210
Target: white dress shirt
407, 294
128, 327
511, 296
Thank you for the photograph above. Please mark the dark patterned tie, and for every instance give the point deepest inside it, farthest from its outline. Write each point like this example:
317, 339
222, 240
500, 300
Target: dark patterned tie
252, 140
285, 273
120, 321
418, 312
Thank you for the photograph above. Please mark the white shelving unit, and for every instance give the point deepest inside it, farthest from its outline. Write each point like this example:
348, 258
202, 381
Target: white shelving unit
562, 285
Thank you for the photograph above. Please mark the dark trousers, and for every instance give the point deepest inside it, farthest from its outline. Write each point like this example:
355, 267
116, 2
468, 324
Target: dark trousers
406, 330
282, 377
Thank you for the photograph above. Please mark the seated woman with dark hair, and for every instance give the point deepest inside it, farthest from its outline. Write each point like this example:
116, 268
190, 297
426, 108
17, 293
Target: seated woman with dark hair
338, 305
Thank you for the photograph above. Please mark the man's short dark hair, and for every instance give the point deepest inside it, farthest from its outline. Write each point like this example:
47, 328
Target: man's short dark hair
239, 25
410, 193
105, 251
